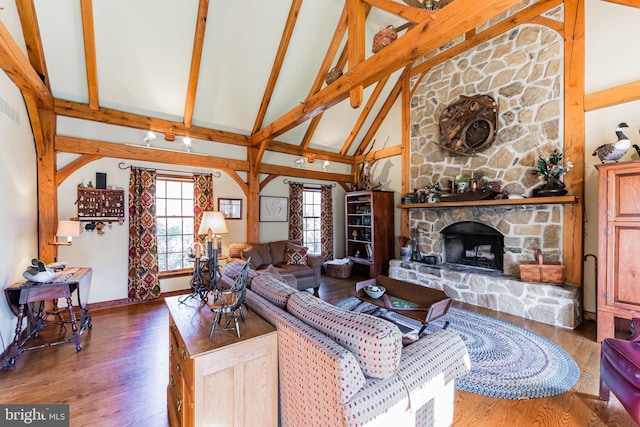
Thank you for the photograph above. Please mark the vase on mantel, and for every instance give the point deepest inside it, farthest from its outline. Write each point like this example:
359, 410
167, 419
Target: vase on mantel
552, 187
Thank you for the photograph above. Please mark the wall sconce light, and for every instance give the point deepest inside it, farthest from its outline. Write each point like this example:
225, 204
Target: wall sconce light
325, 165
148, 137
299, 163
187, 143
68, 229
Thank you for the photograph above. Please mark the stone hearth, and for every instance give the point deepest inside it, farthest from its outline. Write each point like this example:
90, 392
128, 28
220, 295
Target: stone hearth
557, 305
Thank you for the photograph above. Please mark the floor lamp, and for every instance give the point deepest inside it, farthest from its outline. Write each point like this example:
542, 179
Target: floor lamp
213, 224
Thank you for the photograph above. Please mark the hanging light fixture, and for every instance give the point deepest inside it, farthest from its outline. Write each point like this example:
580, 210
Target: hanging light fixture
148, 137
187, 143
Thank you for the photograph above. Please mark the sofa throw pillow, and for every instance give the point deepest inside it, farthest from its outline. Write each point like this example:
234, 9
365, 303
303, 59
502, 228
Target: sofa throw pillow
256, 259
296, 255
376, 343
278, 249
265, 252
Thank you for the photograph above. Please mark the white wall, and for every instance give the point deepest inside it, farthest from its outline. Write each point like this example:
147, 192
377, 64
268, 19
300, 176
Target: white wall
611, 59
18, 189
108, 254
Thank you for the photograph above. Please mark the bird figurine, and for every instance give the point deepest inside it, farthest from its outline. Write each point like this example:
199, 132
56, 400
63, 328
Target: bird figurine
615, 150
635, 146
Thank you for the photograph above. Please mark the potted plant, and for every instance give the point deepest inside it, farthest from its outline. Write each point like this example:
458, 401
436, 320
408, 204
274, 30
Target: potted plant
551, 170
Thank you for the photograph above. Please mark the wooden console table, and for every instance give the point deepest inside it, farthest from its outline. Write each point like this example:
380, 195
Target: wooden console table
226, 380
20, 296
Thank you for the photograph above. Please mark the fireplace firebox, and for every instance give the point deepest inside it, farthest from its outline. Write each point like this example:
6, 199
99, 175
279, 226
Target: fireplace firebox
474, 244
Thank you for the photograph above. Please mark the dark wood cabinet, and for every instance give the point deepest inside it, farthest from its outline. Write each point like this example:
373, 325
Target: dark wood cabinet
618, 244
369, 229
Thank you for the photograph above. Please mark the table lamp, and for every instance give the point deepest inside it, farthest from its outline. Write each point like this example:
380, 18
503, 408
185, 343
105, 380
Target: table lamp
213, 224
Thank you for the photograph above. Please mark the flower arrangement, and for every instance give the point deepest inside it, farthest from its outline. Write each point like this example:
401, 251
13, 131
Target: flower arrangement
552, 168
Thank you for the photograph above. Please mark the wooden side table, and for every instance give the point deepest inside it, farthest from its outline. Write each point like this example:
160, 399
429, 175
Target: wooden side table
21, 295
221, 381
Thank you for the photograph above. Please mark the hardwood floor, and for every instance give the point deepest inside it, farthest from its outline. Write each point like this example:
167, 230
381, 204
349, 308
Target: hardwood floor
120, 376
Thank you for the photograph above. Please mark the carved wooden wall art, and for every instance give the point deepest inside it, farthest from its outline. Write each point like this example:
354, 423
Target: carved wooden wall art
468, 125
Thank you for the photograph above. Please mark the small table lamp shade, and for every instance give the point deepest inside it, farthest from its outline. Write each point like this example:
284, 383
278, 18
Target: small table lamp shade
213, 223
68, 229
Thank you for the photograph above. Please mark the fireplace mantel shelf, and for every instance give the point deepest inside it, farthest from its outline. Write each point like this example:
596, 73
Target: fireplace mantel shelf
499, 202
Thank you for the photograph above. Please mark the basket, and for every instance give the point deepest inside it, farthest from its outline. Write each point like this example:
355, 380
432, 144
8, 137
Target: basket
383, 38
340, 271
333, 75
537, 271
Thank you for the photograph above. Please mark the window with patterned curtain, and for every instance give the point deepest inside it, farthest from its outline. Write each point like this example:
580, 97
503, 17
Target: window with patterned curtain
143, 283
311, 217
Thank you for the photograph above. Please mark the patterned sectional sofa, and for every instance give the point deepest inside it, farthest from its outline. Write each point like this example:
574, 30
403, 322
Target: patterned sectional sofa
305, 268
342, 368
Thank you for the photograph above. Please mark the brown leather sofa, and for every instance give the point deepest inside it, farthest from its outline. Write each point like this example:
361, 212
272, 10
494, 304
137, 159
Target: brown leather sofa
275, 253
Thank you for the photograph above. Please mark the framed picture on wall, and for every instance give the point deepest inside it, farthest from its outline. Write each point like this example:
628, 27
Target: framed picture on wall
230, 208
274, 209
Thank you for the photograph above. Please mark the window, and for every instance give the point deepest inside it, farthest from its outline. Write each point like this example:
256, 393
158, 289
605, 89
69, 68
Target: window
174, 220
311, 220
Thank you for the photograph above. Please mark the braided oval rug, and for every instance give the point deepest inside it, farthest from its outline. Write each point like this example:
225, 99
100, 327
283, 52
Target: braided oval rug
507, 361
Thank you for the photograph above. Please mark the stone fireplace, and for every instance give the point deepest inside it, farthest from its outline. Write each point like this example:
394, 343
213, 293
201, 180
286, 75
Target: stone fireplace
514, 234
522, 70
473, 244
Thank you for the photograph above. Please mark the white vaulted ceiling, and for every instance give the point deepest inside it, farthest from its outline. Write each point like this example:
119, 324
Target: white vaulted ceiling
144, 51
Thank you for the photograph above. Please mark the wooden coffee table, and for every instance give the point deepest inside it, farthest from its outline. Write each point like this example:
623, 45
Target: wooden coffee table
414, 301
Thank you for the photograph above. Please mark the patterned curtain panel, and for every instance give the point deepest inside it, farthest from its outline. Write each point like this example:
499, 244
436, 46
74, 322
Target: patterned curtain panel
202, 201
295, 210
326, 224
143, 245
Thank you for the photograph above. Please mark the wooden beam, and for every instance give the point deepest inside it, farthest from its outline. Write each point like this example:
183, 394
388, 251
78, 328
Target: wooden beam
574, 137
382, 113
384, 153
405, 150
355, 45
412, 14
136, 121
259, 154
234, 175
556, 26
47, 189
294, 150
332, 50
363, 115
304, 173
88, 33
32, 39
290, 25
65, 172
107, 149
451, 22
253, 201
613, 96
267, 180
507, 24
20, 71
306, 139
196, 58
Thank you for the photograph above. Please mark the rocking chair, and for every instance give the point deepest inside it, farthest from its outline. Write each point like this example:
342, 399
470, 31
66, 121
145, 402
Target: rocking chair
229, 301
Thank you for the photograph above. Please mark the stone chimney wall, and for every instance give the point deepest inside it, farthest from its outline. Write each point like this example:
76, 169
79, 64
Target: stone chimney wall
522, 69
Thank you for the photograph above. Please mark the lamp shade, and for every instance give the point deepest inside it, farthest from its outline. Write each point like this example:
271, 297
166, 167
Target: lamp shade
68, 228
213, 221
